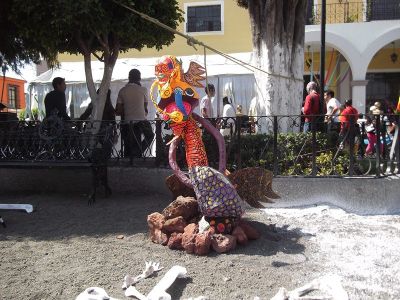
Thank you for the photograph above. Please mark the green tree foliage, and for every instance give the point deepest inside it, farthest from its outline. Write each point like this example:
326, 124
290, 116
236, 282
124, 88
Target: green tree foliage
99, 28
15, 50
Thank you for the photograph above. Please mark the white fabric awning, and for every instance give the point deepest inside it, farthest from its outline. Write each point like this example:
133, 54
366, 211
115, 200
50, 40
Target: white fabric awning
74, 72
228, 78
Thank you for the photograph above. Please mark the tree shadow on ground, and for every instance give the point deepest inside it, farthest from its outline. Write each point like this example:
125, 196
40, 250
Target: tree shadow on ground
59, 216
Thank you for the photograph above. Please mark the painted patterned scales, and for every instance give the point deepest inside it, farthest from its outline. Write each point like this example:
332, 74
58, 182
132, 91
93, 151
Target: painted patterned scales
216, 195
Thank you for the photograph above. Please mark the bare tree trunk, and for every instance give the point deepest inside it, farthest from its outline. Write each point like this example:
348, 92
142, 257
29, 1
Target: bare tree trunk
99, 100
278, 46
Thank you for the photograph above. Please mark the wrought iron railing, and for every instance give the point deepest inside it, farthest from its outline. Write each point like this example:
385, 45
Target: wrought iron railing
355, 11
273, 142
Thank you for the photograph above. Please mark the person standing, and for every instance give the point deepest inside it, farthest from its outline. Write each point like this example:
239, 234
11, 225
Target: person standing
311, 106
206, 109
55, 102
228, 115
348, 119
332, 111
132, 104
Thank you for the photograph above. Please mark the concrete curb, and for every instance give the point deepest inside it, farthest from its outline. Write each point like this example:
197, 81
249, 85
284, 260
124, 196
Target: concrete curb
356, 195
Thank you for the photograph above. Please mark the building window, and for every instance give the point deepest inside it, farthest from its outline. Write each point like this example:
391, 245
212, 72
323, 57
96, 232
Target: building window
12, 96
204, 17
310, 18
382, 86
383, 10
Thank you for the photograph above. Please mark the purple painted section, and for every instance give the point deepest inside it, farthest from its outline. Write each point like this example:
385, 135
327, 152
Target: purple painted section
172, 162
221, 147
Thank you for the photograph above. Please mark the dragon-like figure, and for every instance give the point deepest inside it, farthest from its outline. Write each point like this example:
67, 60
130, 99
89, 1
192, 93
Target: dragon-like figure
217, 195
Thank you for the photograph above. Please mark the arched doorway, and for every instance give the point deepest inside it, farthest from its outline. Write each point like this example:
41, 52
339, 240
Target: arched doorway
383, 75
338, 73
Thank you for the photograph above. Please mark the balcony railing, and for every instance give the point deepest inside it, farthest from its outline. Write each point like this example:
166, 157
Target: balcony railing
355, 11
272, 142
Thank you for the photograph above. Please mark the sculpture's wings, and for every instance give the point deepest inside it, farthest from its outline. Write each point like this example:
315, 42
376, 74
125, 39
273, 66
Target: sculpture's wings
194, 75
254, 185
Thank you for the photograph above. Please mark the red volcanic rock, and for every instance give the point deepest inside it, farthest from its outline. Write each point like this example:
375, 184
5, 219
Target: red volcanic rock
223, 242
250, 231
156, 222
189, 236
202, 243
240, 235
159, 237
186, 207
175, 241
177, 224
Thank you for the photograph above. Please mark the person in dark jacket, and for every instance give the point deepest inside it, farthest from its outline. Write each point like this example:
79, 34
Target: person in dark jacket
55, 102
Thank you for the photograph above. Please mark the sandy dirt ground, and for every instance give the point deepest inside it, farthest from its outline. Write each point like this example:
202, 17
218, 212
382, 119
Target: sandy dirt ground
64, 246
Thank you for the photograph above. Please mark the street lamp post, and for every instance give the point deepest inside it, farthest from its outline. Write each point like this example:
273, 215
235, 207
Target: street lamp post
322, 56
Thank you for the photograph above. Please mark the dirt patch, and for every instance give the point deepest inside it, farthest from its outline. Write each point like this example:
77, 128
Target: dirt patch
65, 246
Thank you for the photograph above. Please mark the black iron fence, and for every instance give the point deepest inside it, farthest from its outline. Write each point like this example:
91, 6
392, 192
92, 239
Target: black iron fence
368, 147
355, 11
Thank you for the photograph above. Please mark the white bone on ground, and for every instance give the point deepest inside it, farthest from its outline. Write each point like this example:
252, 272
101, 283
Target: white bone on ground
94, 293
27, 207
150, 269
159, 291
128, 281
330, 285
203, 225
133, 292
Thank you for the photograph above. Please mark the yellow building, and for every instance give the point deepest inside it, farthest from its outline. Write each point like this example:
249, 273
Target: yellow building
229, 32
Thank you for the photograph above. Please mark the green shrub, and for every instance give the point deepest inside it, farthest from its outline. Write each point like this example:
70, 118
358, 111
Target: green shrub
21, 115
294, 153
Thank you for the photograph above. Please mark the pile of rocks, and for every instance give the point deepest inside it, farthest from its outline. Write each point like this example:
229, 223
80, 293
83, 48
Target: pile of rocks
178, 228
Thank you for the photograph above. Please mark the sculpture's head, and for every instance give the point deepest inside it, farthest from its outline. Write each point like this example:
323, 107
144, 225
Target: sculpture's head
176, 96
167, 68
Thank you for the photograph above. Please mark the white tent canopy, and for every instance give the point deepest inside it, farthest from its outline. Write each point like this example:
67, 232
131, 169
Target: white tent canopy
228, 77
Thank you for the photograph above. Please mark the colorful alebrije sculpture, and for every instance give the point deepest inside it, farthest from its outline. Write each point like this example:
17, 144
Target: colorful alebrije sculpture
176, 98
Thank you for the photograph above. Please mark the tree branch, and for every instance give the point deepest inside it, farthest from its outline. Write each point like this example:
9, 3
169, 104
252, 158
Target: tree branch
100, 58
89, 75
84, 45
104, 43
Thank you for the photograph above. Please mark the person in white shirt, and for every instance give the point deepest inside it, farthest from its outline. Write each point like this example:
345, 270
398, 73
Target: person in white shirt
136, 131
228, 115
332, 111
206, 109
